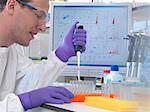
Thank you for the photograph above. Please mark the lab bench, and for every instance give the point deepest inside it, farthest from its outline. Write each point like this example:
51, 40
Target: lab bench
72, 107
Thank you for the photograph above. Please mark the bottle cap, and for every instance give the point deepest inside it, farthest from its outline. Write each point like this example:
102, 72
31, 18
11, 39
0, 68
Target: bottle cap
106, 71
114, 68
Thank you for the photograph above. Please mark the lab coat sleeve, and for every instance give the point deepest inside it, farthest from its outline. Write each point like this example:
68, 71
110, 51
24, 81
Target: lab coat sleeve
11, 103
33, 76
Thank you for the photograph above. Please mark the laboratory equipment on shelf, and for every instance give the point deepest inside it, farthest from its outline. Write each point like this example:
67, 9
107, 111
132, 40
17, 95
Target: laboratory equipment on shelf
130, 54
138, 45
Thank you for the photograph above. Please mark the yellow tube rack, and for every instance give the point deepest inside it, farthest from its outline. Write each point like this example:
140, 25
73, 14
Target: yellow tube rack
112, 104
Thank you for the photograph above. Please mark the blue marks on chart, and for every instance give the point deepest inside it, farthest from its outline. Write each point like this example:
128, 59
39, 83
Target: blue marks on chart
65, 17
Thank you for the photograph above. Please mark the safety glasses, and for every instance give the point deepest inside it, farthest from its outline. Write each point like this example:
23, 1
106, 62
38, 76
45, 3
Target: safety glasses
40, 14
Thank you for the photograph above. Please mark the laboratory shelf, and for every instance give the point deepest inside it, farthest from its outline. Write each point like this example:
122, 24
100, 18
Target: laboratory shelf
141, 13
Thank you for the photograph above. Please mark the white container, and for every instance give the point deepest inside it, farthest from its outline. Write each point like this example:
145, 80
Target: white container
114, 75
105, 73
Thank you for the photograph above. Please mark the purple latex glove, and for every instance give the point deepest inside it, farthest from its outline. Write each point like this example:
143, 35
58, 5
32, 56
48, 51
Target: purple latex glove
74, 37
35, 98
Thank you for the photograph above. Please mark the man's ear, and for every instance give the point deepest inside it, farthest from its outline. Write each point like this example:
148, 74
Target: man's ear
10, 6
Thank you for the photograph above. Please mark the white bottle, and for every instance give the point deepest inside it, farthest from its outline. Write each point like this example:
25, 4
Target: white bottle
105, 73
114, 75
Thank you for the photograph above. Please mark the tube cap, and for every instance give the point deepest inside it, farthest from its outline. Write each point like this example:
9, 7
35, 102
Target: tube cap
114, 68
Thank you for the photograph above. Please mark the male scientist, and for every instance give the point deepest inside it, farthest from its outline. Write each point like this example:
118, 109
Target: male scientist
24, 85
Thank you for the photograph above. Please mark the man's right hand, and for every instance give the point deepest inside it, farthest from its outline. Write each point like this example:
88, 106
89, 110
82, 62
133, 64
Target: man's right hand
35, 98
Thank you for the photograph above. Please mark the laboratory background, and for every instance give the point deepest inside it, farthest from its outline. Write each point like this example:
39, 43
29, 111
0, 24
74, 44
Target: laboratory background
113, 74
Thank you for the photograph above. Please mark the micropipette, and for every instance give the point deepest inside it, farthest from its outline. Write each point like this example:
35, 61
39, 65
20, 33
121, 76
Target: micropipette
78, 49
78, 58
130, 55
143, 47
135, 54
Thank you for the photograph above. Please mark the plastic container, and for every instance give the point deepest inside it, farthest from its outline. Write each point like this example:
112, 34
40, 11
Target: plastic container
114, 75
105, 73
85, 86
80, 97
112, 104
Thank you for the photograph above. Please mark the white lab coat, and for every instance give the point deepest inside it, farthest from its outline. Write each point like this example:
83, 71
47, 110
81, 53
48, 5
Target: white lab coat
18, 74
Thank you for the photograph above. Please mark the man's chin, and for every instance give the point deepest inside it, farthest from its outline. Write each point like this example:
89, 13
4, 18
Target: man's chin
25, 44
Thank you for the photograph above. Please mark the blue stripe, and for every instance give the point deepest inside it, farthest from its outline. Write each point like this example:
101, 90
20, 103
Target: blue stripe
92, 6
94, 65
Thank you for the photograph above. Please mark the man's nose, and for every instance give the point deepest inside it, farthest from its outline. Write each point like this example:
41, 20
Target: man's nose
41, 27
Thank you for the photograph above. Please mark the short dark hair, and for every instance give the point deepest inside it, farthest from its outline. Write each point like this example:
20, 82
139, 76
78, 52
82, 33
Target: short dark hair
3, 3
